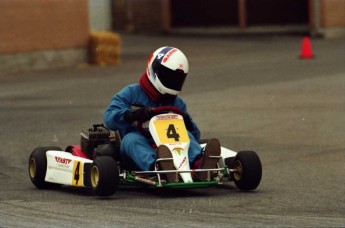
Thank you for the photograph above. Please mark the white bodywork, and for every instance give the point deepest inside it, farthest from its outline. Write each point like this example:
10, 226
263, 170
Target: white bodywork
162, 125
159, 128
225, 153
64, 168
168, 129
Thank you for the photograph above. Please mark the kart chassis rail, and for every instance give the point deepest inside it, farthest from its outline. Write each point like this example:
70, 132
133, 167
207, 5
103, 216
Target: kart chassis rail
139, 176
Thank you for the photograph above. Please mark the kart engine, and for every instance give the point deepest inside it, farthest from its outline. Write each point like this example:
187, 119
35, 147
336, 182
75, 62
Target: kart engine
92, 137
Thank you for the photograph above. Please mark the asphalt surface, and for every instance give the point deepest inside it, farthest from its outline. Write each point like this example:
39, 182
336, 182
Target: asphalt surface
253, 93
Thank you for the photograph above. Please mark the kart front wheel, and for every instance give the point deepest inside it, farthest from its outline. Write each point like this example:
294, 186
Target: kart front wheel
104, 176
247, 170
38, 167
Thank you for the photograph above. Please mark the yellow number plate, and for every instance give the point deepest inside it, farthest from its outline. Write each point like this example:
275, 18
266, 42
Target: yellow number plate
77, 175
171, 129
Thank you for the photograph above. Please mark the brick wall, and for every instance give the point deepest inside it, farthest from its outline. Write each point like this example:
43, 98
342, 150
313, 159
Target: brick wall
33, 25
332, 13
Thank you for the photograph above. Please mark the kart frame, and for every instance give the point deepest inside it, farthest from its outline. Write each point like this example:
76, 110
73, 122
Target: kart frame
51, 167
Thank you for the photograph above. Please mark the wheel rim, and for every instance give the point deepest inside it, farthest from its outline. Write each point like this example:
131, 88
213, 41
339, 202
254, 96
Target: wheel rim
94, 176
32, 168
237, 170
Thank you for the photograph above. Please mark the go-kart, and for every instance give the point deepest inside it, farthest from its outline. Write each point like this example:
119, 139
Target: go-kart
95, 163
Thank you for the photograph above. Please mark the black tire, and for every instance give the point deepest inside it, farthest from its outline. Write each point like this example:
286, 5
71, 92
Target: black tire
104, 176
38, 167
248, 170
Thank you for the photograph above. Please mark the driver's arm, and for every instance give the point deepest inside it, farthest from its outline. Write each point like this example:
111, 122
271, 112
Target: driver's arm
192, 128
114, 114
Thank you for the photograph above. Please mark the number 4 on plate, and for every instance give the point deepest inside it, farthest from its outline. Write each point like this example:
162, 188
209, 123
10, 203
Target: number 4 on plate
171, 133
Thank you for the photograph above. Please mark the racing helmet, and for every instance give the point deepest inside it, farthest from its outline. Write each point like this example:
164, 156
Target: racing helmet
167, 70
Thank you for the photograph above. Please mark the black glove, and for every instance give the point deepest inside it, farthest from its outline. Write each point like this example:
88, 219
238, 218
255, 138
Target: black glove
188, 122
141, 114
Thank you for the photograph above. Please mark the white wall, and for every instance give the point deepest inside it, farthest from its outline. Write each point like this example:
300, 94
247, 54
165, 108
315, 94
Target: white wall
100, 18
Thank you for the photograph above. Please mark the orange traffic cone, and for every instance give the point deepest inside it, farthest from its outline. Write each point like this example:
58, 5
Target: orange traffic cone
306, 52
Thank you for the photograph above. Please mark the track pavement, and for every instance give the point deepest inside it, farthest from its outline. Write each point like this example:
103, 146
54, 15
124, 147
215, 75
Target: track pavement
253, 93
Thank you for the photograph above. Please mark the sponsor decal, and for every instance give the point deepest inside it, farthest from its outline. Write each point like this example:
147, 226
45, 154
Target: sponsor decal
183, 161
167, 56
167, 117
62, 160
178, 150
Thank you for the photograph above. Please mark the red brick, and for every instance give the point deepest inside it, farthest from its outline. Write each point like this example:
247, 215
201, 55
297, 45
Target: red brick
42, 25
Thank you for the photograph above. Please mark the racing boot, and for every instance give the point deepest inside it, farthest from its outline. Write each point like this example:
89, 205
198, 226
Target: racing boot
164, 152
209, 159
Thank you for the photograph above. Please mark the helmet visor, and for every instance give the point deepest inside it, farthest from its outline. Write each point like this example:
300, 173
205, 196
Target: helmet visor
171, 79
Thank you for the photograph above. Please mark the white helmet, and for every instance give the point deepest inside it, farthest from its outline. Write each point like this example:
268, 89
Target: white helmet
167, 69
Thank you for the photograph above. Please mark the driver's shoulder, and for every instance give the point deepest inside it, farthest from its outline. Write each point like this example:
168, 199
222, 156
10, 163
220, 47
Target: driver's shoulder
179, 103
134, 87
132, 90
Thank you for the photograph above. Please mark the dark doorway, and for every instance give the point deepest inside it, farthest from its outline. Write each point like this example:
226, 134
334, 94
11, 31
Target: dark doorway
277, 12
197, 13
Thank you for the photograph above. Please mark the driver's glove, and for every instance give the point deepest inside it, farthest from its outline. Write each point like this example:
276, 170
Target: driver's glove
187, 121
141, 114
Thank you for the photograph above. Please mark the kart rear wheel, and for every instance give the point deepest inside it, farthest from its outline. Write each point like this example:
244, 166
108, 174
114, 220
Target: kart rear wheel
247, 170
104, 176
38, 167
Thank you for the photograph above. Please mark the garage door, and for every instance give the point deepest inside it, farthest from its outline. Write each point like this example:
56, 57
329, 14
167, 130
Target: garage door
196, 13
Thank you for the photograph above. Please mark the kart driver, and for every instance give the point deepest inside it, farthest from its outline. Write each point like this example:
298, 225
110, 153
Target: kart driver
166, 72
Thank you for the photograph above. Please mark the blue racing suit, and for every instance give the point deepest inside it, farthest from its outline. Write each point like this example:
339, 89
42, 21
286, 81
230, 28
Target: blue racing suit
136, 150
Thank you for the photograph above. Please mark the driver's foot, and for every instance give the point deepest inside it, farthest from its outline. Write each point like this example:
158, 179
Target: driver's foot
211, 157
164, 152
